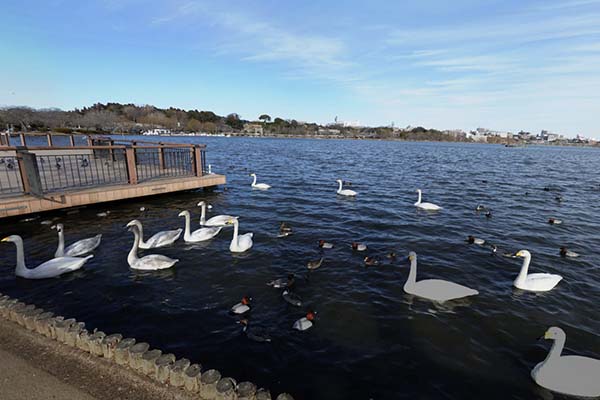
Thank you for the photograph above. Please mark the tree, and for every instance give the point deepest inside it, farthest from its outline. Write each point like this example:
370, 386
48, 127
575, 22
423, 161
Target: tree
193, 125
234, 121
265, 118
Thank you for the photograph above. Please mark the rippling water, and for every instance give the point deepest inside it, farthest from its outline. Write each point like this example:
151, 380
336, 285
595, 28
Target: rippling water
371, 340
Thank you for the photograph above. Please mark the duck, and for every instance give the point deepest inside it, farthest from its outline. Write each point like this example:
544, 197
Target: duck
570, 375
434, 289
358, 246
306, 322
370, 261
474, 240
284, 230
480, 207
241, 243
281, 283
534, 282
291, 298
488, 214
426, 206
325, 245
564, 252
49, 269
159, 239
345, 192
312, 265
199, 235
243, 306
255, 334
260, 186
554, 221
151, 262
558, 198
217, 220
79, 248
391, 256
103, 214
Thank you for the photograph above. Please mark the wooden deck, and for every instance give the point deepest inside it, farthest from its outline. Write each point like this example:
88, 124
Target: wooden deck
27, 204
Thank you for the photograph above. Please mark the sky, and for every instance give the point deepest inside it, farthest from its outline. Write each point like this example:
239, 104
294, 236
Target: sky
505, 65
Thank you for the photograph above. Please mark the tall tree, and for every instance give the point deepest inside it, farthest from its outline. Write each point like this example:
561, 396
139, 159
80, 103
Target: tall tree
265, 118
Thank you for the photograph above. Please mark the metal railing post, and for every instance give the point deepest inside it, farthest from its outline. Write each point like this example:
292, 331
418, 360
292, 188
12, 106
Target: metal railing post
23, 141
161, 155
72, 140
131, 167
49, 139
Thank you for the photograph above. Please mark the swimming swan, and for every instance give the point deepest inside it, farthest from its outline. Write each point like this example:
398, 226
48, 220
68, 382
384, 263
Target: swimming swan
345, 192
49, 269
261, 186
571, 375
426, 206
434, 289
78, 248
534, 282
240, 243
160, 239
151, 262
199, 235
217, 220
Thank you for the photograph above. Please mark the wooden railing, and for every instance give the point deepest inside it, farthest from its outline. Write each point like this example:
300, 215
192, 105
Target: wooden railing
103, 161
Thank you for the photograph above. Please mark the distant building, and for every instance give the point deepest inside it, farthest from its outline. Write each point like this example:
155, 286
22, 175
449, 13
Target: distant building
456, 133
157, 131
253, 129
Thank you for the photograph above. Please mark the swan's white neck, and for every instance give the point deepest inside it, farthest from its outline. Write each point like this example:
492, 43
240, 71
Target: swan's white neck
132, 257
419, 200
236, 226
141, 233
60, 251
254, 181
21, 269
203, 214
209, 169
186, 232
556, 350
340, 187
524, 269
412, 275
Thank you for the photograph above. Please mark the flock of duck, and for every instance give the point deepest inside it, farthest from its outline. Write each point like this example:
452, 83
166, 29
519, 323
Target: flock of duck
572, 375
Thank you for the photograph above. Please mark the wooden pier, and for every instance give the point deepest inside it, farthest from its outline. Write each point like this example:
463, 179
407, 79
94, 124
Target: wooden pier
36, 178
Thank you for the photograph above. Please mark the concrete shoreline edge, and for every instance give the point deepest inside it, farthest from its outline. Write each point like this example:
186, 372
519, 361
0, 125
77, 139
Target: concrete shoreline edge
181, 378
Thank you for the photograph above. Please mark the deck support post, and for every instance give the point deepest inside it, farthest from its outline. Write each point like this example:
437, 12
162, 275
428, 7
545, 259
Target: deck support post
198, 161
161, 156
49, 139
131, 167
23, 141
72, 140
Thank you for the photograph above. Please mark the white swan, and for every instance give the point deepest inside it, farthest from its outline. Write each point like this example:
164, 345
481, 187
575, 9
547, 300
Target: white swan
571, 375
344, 192
434, 289
199, 235
160, 239
79, 248
534, 282
426, 206
49, 269
217, 220
151, 262
240, 243
261, 186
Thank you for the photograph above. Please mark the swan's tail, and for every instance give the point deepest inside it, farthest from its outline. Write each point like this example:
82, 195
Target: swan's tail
88, 257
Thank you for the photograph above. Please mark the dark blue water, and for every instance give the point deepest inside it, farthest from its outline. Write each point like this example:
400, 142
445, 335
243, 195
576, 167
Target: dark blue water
370, 339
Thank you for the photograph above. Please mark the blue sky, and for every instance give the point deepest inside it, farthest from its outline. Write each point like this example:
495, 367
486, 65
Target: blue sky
505, 65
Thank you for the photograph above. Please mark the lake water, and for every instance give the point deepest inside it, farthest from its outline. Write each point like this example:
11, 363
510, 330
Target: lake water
370, 340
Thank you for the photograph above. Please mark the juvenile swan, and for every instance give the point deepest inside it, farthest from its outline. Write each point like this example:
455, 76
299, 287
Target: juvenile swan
534, 282
49, 269
434, 289
240, 243
571, 375
199, 235
261, 186
160, 239
78, 248
345, 192
151, 262
426, 206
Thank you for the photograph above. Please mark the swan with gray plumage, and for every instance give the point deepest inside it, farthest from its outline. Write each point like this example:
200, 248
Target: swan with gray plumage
49, 269
159, 239
79, 248
151, 262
